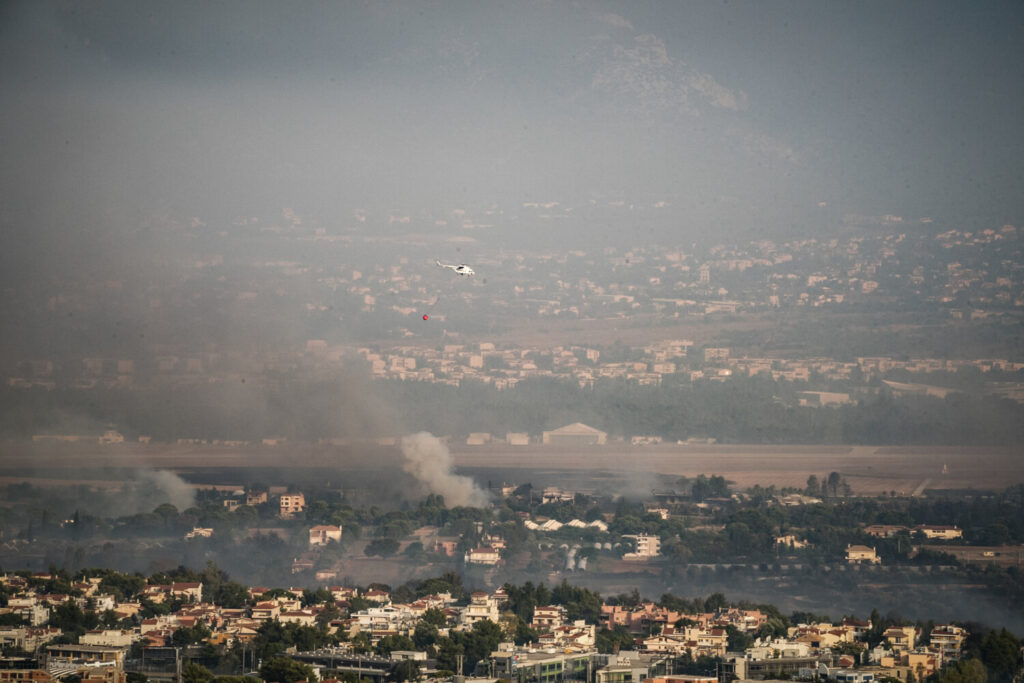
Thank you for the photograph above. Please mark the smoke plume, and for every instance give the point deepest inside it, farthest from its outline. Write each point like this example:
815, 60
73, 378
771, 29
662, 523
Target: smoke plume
151, 488
430, 462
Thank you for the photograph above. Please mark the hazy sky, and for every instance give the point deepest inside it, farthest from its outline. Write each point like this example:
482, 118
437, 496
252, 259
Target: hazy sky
741, 116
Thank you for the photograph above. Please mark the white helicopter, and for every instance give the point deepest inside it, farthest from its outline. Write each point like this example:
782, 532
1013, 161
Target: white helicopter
461, 269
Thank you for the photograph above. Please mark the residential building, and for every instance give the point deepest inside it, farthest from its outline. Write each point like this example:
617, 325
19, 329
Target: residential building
483, 555
646, 547
948, 640
481, 606
199, 532
322, 534
791, 541
255, 498
548, 617
900, 638
292, 504
861, 554
946, 533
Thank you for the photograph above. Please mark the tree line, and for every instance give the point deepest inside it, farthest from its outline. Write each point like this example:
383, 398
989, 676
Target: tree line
741, 410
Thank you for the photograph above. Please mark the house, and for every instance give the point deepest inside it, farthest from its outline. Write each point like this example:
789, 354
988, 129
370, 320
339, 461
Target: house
292, 504
646, 547
187, 592
859, 628
343, 592
255, 498
303, 617
668, 643
796, 499
791, 541
884, 530
861, 554
548, 618
900, 638
322, 534
576, 637
576, 434
639, 619
821, 636
923, 664
946, 533
483, 555
949, 641
553, 494
481, 606
517, 439
445, 546
266, 611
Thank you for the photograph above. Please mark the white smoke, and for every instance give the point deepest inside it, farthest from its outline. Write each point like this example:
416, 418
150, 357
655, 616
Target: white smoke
430, 462
151, 488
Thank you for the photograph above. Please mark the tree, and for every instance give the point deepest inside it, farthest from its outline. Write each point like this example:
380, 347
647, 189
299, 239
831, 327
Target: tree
813, 488
231, 595
388, 644
357, 604
361, 643
737, 640
328, 614
316, 597
69, 617
166, 511
384, 547
434, 617
424, 635
285, 670
447, 653
1000, 654
965, 671
195, 673
834, 479
611, 641
715, 602
524, 633
405, 670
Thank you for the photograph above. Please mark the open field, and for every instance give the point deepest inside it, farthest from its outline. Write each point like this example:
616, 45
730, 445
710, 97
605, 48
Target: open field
868, 469
636, 330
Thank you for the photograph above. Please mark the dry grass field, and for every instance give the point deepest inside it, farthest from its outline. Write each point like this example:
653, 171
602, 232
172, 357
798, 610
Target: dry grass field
636, 330
868, 469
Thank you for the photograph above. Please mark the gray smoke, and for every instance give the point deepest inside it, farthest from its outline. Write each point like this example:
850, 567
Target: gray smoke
152, 488
431, 463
